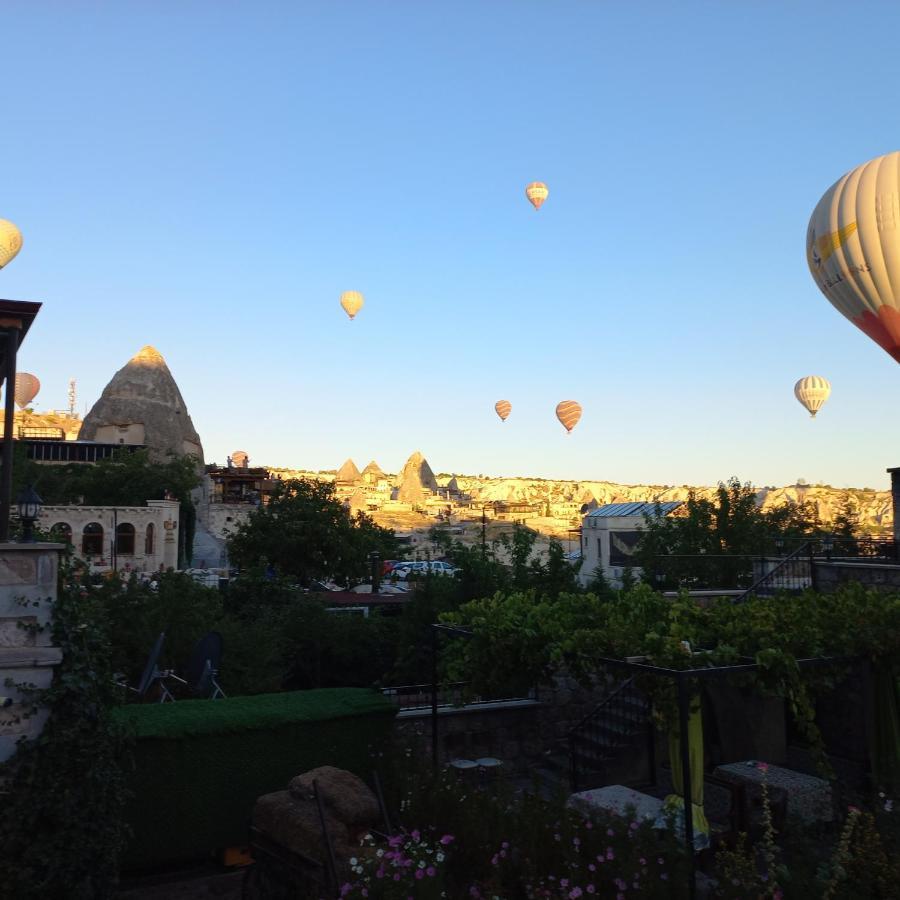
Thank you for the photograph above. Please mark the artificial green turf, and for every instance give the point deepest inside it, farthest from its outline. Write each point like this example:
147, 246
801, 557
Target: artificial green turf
199, 765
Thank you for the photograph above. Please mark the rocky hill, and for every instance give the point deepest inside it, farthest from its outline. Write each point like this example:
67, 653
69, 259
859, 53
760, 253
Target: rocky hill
562, 499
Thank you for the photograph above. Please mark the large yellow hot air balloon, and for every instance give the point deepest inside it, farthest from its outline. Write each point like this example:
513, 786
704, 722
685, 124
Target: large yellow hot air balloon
812, 392
568, 412
503, 409
27, 387
352, 301
853, 248
537, 192
10, 242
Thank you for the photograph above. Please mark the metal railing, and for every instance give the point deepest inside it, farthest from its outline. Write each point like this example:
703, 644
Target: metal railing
609, 731
452, 695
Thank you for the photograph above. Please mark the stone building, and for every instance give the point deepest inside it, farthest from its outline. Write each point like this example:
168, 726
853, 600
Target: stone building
121, 538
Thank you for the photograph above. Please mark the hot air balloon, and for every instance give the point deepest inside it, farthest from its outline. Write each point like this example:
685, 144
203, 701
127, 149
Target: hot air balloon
352, 301
27, 387
10, 242
503, 409
853, 249
812, 392
568, 412
537, 192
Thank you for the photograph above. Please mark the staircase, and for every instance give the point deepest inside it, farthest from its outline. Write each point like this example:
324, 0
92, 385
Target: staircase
614, 742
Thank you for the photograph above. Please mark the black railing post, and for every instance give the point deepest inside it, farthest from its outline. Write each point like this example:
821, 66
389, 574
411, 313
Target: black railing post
12, 346
434, 689
687, 786
813, 577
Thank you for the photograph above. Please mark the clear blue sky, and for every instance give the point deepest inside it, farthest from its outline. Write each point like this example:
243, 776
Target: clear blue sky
208, 177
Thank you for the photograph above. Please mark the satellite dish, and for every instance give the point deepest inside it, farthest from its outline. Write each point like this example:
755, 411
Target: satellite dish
151, 672
203, 666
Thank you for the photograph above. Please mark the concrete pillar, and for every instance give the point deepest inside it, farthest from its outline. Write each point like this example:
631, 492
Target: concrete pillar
895, 497
28, 586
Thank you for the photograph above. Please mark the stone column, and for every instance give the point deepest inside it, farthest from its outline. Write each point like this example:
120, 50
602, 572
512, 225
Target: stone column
28, 586
168, 550
895, 497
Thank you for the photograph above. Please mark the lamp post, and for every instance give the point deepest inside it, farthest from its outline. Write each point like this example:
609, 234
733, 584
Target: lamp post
29, 504
375, 568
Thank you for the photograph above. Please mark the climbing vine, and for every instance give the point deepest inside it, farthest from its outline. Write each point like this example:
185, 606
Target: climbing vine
518, 637
62, 793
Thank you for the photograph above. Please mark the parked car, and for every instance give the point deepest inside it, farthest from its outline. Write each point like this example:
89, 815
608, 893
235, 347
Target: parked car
422, 568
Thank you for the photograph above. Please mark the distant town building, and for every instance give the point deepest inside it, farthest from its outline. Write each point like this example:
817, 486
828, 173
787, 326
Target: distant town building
610, 535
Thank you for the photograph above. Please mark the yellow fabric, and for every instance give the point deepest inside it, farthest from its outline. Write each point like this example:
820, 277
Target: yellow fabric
695, 743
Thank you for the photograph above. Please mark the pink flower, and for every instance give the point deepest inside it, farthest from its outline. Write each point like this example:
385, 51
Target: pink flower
420, 874
416, 835
431, 871
763, 767
397, 876
610, 832
590, 889
609, 853
642, 861
446, 839
575, 893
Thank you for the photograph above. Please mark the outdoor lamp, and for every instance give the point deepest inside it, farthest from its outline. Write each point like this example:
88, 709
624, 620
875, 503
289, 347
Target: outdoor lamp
828, 544
29, 504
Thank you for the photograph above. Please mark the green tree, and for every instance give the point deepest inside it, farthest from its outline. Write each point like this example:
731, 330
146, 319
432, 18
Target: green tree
304, 532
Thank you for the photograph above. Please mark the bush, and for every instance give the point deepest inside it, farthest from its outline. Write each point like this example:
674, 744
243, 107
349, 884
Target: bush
201, 764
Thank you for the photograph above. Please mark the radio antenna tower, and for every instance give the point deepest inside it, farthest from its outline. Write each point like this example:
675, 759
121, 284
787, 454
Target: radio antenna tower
72, 397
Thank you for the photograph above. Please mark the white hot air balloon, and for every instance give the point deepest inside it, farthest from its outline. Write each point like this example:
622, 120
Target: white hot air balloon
812, 392
853, 249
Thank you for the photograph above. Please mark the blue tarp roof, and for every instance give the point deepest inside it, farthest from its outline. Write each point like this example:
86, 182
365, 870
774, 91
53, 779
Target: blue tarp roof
641, 508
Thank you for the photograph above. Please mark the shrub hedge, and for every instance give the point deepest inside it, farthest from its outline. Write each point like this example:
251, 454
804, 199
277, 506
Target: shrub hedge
199, 765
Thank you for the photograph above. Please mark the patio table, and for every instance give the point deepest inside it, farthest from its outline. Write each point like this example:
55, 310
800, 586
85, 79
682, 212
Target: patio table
616, 798
808, 797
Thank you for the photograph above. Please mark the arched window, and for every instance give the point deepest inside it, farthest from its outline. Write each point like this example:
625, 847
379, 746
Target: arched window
125, 539
92, 539
148, 540
62, 531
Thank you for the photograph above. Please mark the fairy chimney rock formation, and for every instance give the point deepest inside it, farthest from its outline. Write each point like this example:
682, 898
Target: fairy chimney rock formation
347, 473
417, 481
372, 473
142, 405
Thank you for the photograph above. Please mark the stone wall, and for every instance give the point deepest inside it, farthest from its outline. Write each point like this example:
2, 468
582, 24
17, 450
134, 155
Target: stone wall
222, 519
28, 583
881, 576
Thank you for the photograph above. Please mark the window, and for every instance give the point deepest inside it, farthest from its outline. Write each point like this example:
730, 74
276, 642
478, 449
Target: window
92, 539
148, 540
62, 531
125, 539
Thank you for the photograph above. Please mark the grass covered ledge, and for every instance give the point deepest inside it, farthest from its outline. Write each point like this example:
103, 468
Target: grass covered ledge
199, 765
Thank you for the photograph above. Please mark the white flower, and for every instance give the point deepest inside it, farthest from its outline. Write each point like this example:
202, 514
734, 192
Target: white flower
353, 860
439, 856
379, 853
421, 863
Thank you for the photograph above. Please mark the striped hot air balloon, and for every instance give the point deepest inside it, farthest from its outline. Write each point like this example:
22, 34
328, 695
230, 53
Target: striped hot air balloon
352, 302
10, 242
537, 192
853, 249
812, 392
27, 387
568, 412
503, 409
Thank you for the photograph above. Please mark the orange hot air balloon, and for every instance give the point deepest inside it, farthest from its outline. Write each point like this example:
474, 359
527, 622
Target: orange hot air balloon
503, 409
568, 412
27, 387
352, 302
537, 192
